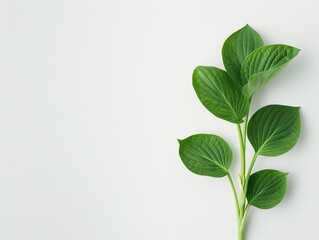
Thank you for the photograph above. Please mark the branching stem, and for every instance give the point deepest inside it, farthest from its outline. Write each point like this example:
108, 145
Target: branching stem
243, 206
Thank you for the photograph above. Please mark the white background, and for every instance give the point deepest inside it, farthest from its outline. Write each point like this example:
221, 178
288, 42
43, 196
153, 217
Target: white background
94, 94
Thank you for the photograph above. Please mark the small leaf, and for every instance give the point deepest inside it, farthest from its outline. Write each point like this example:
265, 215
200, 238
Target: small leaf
274, 129
266, 188
206, 154
263, 64
237, 47
219, 94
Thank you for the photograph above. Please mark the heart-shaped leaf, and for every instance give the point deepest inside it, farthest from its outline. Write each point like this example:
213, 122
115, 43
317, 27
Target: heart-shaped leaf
219, 94
263, 64
237, 47
266, 188
206, 154
274, 129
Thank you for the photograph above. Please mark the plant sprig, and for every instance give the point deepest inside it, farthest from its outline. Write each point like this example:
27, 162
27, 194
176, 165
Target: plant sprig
272, 130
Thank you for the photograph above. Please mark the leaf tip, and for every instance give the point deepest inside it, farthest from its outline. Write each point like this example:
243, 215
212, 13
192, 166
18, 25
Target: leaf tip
297, 108
283, 174
247, 27
296, 51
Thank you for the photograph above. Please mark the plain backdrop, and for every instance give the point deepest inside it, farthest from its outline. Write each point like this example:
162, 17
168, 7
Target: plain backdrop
94, 94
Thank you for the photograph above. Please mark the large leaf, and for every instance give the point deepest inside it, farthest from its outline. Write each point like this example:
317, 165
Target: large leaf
219, 94
237, 47
206, 154
263, 64
266, 188
274, 129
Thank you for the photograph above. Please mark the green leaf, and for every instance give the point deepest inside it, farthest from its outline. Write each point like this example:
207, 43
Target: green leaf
219, 94
274, 129
237, 47
266, 188
263, 64
206, 154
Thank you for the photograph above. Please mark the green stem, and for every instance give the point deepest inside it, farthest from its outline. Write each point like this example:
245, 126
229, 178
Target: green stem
234, 192
250, 170
242, 154
242, 224
252, 163
245, 130
241, 231
243, 206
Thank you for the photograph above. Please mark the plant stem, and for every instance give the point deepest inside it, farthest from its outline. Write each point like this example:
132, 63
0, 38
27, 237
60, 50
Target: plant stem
242, 224
242, 154
241, 231
235, 193
245, 130
250, 170
243, 207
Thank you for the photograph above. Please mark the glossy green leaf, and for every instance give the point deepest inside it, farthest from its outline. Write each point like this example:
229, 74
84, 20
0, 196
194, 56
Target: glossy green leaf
219, 94
237, 47
266, 188
263, 64
206, 154
274, 129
